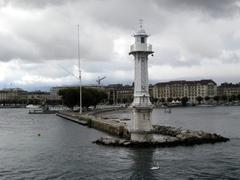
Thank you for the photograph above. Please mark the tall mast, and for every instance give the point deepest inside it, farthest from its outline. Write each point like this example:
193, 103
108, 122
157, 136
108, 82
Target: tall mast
79, 73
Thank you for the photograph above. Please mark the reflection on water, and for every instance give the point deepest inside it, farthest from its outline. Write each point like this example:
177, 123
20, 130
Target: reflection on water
65, 149
142, 163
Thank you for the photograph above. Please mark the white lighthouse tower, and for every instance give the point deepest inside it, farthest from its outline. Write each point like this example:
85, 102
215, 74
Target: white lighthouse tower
141, 106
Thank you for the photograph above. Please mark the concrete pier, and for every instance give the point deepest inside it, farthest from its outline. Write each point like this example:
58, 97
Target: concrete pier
111, 126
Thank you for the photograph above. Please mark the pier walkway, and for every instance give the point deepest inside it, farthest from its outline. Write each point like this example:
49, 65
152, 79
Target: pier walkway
91, 119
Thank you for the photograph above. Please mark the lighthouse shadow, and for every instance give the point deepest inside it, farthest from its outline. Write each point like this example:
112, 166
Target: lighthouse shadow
142, 164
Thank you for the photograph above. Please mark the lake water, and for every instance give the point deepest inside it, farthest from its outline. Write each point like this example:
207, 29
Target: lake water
49, 147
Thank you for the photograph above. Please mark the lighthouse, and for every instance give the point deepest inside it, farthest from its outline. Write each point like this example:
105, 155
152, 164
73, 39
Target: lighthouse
141, 106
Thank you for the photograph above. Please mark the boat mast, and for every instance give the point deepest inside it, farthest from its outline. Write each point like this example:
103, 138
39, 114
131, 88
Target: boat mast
80, 77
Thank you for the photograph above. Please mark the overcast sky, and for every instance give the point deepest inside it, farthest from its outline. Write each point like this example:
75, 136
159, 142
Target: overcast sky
192, 39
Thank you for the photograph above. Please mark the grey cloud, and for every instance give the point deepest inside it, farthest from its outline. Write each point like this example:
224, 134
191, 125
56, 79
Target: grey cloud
53, 35
172, 57
46, 33
229, 56
35, 3
214, 8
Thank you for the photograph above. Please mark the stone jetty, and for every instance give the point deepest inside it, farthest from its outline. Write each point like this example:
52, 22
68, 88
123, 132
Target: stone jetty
166, 136
113, 127
163, 136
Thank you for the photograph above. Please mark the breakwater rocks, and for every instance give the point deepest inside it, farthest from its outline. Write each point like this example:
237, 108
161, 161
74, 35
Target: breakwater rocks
165, 136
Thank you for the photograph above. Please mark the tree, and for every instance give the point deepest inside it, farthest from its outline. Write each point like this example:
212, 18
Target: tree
232, 98
90, 96
70, 96
224, 98
199, 99
178, 99
162, 100
238, 97
153, 100
184, 101
124, 100
216, 98
206, 98
169, 99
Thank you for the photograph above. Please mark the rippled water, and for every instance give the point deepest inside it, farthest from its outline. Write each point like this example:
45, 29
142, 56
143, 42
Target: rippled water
64, 149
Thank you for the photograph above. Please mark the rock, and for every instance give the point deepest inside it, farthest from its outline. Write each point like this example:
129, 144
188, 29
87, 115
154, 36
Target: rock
121, 141
164, 136
126, 143
181, 137
170, 139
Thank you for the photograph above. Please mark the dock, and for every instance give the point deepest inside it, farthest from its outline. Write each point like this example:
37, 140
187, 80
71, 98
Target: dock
111, 126
72, 117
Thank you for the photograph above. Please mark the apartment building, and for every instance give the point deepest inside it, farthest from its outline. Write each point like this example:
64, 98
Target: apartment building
228, 89
189, 89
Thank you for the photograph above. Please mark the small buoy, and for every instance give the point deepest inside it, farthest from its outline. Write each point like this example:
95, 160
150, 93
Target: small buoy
39, 134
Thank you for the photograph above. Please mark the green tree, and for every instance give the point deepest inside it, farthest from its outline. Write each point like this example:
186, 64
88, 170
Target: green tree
153, 100
184, 101
216, 98
232, 98
207, 98
90, 96
169, 99
124, 100
162, 100
238, 97
178, 99
199, 99
224, 98
70, 96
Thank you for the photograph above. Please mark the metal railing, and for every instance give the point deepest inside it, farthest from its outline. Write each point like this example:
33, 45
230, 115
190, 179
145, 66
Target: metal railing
141, 47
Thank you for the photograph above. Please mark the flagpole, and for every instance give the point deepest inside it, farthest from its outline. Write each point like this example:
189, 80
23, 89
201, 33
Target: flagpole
80, 77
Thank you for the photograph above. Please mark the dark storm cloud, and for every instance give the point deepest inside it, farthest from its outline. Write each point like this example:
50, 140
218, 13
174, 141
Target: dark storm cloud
53, 35
50, 32
214, 8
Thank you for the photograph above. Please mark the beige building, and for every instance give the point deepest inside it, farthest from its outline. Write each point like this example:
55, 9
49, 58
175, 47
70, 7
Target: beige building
190, 89
19, 96
228, 89
12, 95
117, 93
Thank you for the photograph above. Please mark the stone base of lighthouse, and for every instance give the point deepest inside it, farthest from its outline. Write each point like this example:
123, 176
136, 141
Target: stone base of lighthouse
141, 124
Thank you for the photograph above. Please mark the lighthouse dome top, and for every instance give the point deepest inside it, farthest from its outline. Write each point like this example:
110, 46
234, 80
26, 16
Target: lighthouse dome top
141, 31
141, 44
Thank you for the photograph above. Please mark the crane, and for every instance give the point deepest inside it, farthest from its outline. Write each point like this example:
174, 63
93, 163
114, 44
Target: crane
100, 79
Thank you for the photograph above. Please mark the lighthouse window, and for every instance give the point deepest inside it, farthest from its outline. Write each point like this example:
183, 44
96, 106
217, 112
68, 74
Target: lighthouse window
142, 40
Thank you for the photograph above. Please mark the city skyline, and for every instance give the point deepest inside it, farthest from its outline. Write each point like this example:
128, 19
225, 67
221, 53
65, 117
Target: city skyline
192, 40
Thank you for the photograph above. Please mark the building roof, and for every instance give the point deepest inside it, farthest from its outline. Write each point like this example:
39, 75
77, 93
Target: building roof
182, 82
229, 85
